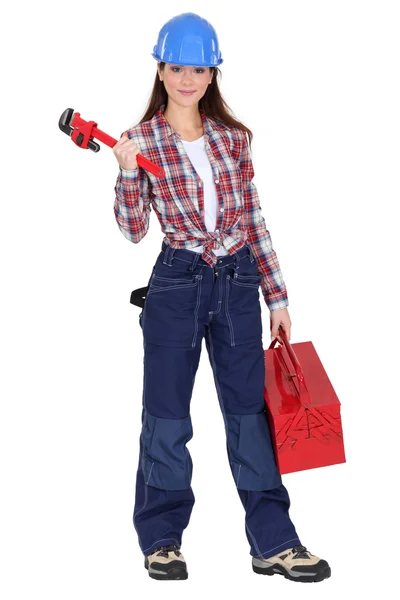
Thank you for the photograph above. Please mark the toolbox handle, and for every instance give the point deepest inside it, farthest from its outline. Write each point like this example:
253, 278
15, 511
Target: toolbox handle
304, 395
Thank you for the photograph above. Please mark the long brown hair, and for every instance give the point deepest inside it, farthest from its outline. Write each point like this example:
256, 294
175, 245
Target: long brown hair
212, 103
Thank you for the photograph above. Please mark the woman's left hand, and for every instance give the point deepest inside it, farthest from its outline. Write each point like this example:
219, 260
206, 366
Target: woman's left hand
280, 317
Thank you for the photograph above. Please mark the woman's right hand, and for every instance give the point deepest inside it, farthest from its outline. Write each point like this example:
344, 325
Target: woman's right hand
125, 151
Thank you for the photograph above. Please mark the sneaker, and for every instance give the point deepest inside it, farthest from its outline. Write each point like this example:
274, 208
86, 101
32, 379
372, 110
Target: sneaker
297, 564
166, 562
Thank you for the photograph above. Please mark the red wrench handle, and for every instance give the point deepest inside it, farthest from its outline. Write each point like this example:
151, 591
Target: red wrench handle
142, 161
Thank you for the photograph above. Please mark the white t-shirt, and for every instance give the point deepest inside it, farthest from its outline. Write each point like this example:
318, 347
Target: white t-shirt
199, 159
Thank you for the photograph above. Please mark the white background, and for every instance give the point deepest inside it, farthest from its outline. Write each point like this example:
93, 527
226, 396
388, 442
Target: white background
318, 84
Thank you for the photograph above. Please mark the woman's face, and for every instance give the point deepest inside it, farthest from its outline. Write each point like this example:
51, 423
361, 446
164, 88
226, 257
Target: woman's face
178, 79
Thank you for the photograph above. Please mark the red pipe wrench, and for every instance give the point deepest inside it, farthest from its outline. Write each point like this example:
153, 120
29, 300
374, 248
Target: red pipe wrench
82, 133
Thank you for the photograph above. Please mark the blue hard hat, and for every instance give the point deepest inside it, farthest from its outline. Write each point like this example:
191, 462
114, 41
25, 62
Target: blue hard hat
188, 39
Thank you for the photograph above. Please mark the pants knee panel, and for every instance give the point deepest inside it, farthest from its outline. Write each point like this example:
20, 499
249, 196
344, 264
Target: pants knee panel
250, 452
166, 462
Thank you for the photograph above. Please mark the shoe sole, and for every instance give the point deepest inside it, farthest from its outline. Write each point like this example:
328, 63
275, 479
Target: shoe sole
277, 569
175, 571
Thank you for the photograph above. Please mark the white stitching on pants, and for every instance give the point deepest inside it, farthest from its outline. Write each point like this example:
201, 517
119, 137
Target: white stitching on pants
196, 312
215, 312
237, 482
142, 442
254, 540
140, 510
219, 393
152, 465
227, 313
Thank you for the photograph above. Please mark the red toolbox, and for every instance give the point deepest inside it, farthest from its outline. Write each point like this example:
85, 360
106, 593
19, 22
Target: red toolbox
302, 407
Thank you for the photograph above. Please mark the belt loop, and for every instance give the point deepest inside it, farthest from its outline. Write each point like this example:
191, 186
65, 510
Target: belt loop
251, 254
168, 255
194, 262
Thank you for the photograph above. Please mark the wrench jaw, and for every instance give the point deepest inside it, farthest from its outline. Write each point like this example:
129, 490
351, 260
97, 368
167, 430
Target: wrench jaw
94, 146
66, 120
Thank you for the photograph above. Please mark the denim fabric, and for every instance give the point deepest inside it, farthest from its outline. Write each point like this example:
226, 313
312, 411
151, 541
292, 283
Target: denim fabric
187, 301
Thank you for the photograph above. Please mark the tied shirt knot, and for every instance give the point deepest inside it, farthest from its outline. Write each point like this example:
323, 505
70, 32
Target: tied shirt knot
212, 242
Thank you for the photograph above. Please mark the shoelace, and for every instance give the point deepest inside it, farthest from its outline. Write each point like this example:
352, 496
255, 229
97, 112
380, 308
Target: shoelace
163, 550
300, 551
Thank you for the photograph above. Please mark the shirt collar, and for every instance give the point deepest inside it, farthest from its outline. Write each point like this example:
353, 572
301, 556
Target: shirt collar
161, 127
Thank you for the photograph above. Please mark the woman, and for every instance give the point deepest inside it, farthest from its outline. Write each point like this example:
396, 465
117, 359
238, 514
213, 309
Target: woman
205, 283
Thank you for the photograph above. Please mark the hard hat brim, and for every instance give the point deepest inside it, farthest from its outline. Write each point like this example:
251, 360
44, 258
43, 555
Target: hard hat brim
184, 64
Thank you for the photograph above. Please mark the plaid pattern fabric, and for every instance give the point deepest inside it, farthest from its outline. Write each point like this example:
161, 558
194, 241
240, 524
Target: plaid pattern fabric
178, 198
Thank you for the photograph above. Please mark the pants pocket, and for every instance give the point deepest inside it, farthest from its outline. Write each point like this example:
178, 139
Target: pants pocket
162, 284
172, 306
243, 308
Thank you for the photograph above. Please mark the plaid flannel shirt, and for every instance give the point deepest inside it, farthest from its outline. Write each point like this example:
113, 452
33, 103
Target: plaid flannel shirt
178, 198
